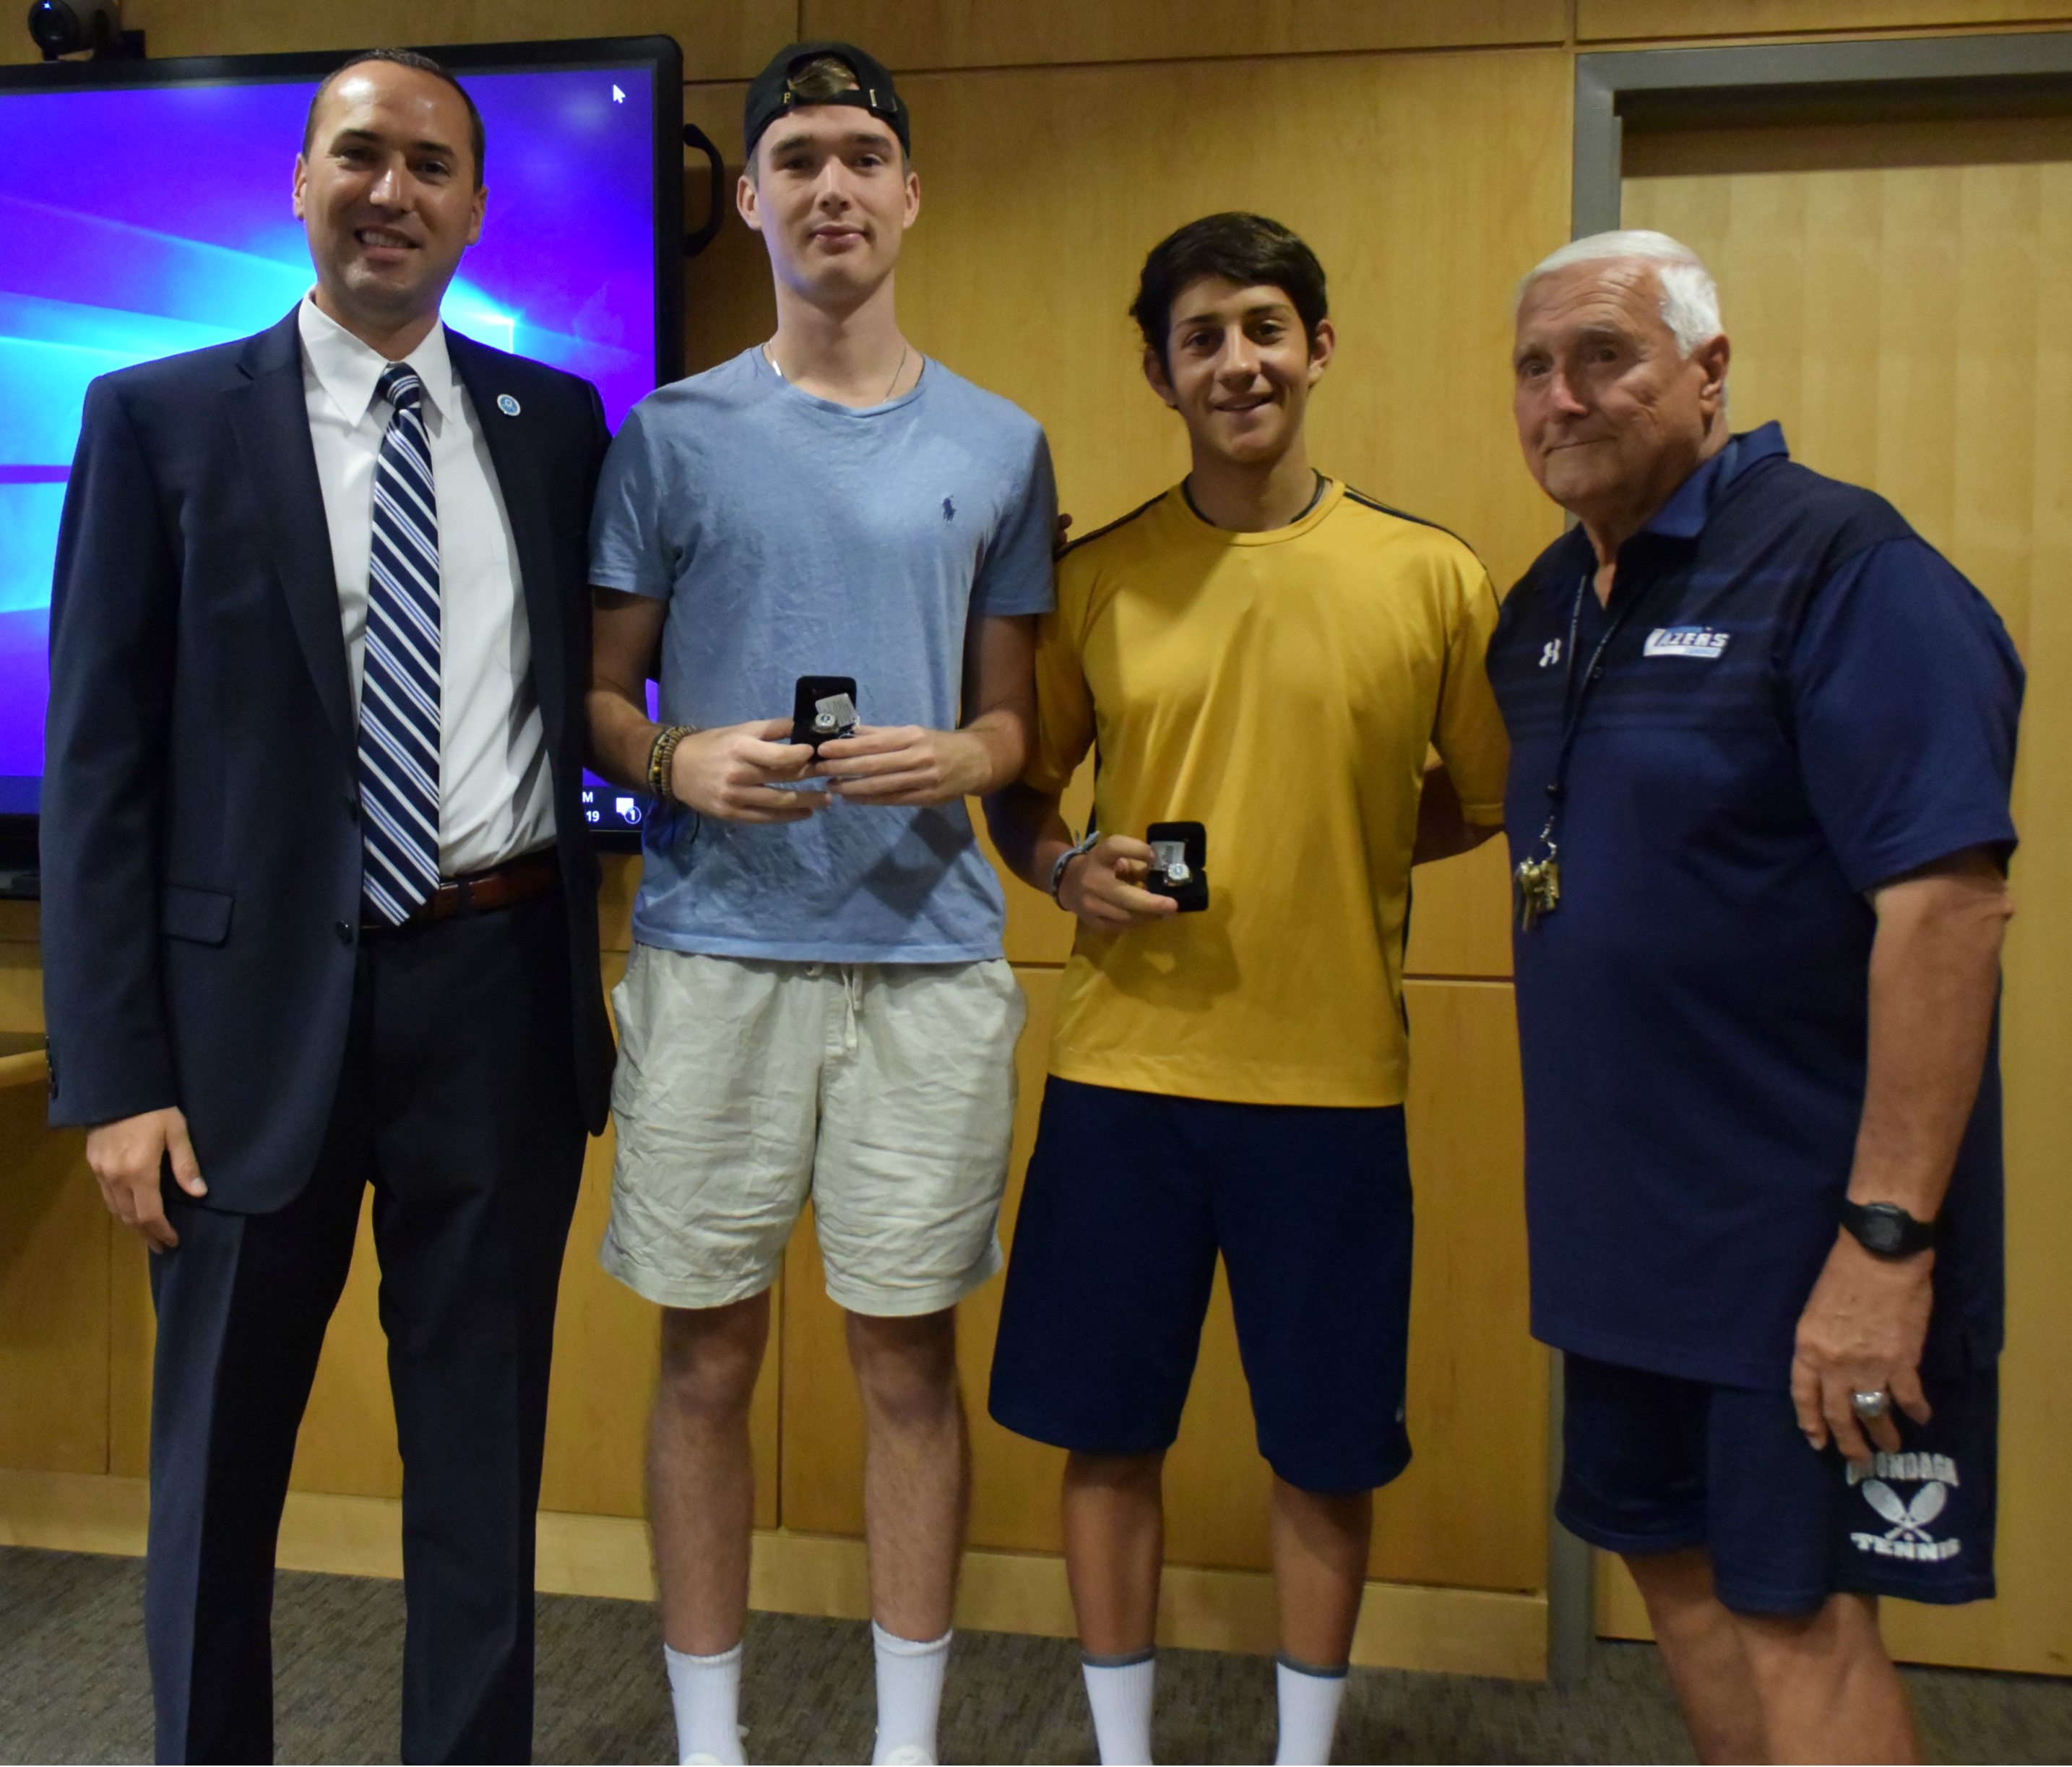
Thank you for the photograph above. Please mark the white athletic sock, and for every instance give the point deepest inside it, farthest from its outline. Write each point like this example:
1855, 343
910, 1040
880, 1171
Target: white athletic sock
1309, 1701
1119, 1690
706, 1692
910, 1694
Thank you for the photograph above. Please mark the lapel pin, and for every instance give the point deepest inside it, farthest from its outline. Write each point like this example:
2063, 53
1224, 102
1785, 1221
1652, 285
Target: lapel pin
507, 405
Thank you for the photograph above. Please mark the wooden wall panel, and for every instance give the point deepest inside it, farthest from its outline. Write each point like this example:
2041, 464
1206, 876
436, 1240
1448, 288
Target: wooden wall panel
21, 968
1472, 1508
721, 39
2036, 1627
1890, 321
903, 33
1603, 20
728, 304
1460, 915
615, 910
53, 1294
1905, 325
1031, 234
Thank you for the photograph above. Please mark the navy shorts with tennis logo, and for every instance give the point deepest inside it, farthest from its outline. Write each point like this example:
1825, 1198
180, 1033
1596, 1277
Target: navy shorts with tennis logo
1130, 1198
1653, 1463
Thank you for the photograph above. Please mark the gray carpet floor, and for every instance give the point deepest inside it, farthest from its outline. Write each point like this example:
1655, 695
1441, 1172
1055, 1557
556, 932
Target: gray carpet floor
73, 1688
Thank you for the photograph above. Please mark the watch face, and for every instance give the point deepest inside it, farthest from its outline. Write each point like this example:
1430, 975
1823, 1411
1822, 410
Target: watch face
1881, 1233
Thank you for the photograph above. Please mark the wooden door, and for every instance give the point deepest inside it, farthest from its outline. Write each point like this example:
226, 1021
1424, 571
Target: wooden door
1897, 295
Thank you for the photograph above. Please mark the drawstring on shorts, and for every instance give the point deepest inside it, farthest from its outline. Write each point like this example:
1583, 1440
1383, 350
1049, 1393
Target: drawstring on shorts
852, 1004
852, 981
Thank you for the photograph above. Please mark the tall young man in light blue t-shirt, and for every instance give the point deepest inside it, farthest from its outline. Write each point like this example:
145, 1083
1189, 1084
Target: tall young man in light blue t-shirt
817, 1002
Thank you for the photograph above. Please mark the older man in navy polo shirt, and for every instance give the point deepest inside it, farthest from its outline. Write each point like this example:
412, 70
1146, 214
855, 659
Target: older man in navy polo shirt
1761, 741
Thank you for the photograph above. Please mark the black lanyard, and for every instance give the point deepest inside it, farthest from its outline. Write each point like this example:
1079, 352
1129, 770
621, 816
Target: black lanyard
1572, 703
1573, 698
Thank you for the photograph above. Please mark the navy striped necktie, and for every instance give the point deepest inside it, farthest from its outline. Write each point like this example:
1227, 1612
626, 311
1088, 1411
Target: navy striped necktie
399, 692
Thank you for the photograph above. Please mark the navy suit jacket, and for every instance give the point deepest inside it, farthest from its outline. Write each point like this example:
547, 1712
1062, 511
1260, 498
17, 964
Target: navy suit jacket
200, 840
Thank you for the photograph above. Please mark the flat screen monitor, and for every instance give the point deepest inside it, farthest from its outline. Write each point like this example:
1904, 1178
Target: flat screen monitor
147, 208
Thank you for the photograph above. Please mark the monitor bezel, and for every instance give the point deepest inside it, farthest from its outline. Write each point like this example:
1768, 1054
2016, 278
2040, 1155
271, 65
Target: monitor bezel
662, 54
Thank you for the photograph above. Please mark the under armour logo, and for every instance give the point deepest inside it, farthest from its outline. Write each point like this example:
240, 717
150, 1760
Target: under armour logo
1550, 653
949, 510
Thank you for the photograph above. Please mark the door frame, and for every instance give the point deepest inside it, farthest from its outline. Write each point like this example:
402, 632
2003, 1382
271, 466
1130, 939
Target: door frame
1889, 78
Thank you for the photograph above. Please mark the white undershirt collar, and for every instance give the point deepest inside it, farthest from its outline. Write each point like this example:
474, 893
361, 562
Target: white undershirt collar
349, 370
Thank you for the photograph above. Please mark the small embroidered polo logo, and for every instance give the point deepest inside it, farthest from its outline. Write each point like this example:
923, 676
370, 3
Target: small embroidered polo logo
1907, 1536
1550, 653
1700, 643
507, 405
949, 510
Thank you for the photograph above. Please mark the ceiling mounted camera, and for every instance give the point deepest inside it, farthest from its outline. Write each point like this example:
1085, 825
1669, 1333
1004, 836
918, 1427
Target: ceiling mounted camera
67, 27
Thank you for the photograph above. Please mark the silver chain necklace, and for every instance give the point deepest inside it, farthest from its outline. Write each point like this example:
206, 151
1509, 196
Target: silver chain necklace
770, 356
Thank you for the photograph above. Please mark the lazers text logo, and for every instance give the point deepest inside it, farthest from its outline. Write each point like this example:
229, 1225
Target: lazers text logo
1907, 1537
1699, 642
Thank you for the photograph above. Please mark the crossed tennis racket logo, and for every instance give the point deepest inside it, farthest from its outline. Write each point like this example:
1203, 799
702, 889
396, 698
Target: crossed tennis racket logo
1910, 1520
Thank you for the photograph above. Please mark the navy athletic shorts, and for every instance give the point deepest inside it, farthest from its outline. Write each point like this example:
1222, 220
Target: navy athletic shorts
1131, 1196
1655, 1463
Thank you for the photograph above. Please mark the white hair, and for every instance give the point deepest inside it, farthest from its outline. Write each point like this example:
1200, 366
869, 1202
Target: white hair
1690, 297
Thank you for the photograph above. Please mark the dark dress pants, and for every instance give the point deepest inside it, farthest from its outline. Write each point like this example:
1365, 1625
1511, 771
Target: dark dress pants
457, 1102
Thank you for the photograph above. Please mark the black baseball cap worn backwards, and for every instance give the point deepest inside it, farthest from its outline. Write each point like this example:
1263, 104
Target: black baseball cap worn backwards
770, 93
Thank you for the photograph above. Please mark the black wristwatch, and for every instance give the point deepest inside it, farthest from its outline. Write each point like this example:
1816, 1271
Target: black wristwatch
1885, 1229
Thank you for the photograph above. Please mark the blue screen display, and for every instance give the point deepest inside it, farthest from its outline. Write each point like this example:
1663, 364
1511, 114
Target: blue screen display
149, 220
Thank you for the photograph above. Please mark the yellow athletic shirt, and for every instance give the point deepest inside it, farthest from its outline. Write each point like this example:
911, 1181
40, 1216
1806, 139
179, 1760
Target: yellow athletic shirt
1280, 689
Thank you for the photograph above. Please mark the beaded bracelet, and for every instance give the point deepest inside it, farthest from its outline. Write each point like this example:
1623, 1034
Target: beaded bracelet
660, 757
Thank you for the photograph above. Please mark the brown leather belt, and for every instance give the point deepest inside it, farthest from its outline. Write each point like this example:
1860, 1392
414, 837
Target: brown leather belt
515, 880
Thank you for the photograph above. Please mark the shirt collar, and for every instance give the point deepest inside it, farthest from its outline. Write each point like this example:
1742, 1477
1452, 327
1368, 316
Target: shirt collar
1682, 517
349, 370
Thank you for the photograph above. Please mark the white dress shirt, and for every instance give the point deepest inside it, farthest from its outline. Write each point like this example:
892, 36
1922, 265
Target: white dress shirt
496, 798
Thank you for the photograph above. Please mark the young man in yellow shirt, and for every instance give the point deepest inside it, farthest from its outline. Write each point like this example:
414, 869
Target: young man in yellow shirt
1268, 653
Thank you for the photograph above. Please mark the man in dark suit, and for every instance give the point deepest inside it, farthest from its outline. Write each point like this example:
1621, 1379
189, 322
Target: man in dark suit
320, 908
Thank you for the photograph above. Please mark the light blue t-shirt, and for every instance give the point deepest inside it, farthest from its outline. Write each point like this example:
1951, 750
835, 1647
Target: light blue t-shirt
791, 536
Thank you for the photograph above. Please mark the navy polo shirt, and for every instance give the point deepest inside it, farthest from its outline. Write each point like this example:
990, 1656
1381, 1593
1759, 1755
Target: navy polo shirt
1801, 700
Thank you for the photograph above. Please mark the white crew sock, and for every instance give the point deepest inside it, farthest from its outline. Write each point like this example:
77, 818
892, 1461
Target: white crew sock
706, 1692
1119, 1690
1308, 1711
910, 1694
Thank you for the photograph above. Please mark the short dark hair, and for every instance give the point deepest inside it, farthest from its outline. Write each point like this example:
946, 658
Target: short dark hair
400, 58
1246, 249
